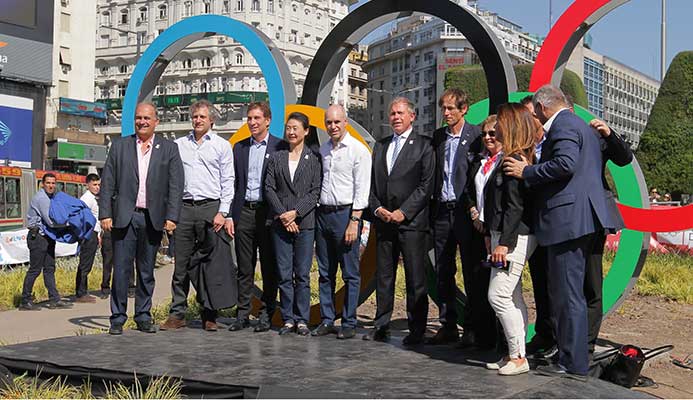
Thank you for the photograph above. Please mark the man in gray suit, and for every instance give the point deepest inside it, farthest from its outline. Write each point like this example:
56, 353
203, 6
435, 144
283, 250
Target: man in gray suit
141, 195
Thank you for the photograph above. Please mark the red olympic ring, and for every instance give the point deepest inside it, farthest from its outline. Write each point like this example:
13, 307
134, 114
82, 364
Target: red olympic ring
644, 220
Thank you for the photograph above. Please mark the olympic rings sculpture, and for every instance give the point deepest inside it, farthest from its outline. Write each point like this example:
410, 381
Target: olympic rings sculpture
502, 87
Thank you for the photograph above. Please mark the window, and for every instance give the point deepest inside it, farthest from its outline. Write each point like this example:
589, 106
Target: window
65, 22
144, 12
65, 57
203, 87
187, 63
225, 7
187, 9
163, 11
121, 90
105, 93
104, 70
123, 39
255, 5
12, 198
124, 16
206, 62
64, 88
293, 36
106, 18
208, 7
239, 59
270, 6
239, 5
123, 69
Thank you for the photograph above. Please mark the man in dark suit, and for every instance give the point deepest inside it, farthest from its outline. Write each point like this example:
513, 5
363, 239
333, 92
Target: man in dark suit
454, 146
141, 192
249, 217
571, 208
401, 187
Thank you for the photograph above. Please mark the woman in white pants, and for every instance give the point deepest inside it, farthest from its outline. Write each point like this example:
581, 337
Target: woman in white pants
507, 216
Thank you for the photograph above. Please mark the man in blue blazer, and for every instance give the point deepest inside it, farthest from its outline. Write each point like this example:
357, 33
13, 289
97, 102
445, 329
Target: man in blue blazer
570, 209
248, 218
141, 196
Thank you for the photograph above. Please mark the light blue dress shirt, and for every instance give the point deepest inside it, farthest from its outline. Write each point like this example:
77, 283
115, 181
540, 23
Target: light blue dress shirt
38, 214
256, 157
451, 144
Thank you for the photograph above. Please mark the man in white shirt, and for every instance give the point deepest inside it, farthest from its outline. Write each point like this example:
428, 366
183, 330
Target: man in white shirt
346, 169
88, 247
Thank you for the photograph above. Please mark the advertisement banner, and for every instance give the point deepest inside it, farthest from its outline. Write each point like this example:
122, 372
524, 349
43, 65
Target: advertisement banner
16, 121
13, 248
82, 108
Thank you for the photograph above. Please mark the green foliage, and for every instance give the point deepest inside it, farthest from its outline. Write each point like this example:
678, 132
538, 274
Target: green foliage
472, 80
158, 388
665, 152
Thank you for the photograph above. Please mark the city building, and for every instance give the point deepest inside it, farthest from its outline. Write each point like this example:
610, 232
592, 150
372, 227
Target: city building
357, 106
411, 60
217, 67
620, 95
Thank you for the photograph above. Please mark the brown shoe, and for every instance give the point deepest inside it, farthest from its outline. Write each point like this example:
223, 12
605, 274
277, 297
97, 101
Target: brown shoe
210, 326
87, 298
172, 323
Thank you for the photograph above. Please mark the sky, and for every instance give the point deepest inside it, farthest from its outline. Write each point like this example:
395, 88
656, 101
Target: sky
629, 34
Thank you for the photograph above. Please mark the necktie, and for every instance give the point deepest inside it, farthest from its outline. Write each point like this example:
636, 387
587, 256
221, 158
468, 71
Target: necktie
395, 152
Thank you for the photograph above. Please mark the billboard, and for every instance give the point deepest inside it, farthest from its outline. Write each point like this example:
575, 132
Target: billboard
19, 12
82, 108
16, 121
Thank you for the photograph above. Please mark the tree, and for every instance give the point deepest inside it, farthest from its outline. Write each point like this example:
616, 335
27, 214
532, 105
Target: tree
665, 152
472, 80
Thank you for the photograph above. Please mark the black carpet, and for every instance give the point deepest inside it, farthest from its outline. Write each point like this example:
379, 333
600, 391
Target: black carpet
265, 365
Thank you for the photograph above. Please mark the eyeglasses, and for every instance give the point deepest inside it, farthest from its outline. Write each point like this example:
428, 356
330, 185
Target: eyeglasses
490, 133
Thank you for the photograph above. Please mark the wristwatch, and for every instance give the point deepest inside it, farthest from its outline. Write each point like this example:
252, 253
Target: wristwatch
355, 218
224, 214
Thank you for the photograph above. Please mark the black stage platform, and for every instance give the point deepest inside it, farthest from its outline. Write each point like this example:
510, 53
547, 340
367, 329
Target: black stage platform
265, 365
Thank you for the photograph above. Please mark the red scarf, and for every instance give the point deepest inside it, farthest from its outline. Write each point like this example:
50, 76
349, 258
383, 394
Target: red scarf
489, 163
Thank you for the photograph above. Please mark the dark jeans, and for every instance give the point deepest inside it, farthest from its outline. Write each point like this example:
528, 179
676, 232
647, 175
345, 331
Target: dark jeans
413, 245
87, 252
41, 258
252, 234
294, 258
332, 252
538, 266
190, 226
137, 243
107, 256
566, 278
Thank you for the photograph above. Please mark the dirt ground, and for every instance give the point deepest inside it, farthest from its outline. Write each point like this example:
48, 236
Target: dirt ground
647, 322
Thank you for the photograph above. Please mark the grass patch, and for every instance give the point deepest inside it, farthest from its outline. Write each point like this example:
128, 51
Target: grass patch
12, 281
25, 387
668, 275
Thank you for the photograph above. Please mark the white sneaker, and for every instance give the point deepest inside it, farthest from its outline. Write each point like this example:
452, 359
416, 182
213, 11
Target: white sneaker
512, 369
497, 365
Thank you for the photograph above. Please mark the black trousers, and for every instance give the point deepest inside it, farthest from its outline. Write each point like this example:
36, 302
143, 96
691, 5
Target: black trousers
107, 257
538, 266
252, 233
87, 252
413, 246
188, 233
135, 244
41, 259
453, 230
593, 289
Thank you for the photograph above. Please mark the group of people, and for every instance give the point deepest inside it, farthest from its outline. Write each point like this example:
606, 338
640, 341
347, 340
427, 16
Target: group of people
526, 185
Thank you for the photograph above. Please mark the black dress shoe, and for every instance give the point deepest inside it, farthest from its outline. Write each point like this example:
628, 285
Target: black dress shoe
29, 306
539, 346
378, 335
116, 329
286, 329
346, 332
444, 335
58, 305
147, 327
302, 330
239, 324
557, 371
323, 329
412, 340
262, 326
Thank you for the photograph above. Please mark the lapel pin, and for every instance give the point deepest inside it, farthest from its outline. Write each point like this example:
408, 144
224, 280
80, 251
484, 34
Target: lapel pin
411, 142
266, 155
464, 142
157, 146
306, 157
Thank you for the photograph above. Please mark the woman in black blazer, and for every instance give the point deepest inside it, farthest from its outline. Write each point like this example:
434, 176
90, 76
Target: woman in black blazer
507, 217
292, 190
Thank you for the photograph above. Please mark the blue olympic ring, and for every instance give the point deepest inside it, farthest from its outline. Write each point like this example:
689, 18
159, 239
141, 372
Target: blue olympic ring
237, 30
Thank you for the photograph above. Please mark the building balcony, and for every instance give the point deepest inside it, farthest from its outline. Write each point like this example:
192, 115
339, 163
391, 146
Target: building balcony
56, 134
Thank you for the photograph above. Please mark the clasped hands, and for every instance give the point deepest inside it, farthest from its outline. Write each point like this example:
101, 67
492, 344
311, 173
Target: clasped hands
288, 219
395, 217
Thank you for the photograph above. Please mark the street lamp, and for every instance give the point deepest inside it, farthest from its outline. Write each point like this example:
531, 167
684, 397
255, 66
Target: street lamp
137, 36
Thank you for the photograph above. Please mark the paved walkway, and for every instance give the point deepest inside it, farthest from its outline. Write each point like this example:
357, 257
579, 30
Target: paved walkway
27, 326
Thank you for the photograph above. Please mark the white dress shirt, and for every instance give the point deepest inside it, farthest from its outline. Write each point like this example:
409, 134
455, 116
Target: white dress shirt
346, 173
391, 148
208, 168
90, 200
549, 122
480, 180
